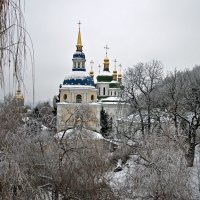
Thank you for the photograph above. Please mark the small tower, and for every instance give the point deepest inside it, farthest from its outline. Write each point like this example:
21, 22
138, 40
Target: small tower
19, 97
79, 45
79, 57
91, 70
106, 60
104, 78
120, 74
115, 71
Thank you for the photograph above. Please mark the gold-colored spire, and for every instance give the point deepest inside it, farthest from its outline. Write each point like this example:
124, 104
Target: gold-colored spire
106, 60
115, 71
19, 95
120, 74
79, 45
91, 70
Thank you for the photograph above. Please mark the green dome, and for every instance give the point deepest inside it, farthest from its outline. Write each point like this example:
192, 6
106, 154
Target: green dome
105, 76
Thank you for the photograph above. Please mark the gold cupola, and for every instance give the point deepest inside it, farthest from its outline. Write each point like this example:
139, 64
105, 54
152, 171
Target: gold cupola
115, 71
19, 97
120, 74
91, 70
79, 45
106, 60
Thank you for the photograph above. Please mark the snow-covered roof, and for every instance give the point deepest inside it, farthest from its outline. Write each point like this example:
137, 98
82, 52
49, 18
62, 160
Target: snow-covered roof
105, 73
78, 78
77, 87
77, 75
112, 99
76, 133
113, 81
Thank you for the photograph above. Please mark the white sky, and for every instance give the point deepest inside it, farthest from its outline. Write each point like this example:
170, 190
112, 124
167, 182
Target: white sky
135, 30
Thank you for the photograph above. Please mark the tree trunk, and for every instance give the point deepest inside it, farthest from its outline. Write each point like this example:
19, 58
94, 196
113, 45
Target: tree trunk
55, 194
149, 116
142, 122
190, 155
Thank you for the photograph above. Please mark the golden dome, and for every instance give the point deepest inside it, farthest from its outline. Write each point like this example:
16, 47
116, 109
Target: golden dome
115, 71
120, 73
106, 59
92, 74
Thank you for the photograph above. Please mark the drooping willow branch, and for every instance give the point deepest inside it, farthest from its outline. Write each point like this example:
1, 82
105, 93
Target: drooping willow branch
13, 43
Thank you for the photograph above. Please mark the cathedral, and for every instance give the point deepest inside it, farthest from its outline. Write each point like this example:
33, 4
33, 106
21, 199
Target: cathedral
82, 97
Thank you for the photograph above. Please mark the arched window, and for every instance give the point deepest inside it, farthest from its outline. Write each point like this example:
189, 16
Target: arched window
115, 93
78, 64
99, 91
65, 97
92, 97
111, 93
78, 98
104, 91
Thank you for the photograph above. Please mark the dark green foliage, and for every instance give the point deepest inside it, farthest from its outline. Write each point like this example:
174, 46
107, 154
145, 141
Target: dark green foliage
106, 123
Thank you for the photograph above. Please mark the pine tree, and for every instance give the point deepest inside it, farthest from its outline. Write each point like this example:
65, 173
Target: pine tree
105, 126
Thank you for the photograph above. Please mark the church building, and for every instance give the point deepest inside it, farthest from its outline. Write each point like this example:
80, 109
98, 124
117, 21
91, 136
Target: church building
81, 100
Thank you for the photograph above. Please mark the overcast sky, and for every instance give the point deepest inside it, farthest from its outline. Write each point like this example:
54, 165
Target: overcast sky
135, 30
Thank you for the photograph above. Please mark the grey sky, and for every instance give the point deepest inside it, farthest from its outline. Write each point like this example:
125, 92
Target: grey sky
135, 30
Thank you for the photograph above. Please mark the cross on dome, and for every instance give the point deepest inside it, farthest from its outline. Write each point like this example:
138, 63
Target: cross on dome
91, 63
79, 24
115, 61
120, 67
99, 69
106, 47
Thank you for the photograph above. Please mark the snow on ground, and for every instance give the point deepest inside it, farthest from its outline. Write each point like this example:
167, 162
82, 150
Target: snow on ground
84, 133
120, 180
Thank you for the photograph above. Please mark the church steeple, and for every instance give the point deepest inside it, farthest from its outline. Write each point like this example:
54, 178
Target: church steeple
91, 71
79, 45
120, 74
79, 56
115, 71
106, 60
19, 97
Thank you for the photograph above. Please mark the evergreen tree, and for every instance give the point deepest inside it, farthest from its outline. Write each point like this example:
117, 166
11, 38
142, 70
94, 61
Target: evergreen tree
105, 125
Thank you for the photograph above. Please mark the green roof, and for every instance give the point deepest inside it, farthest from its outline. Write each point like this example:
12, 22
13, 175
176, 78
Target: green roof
104, 78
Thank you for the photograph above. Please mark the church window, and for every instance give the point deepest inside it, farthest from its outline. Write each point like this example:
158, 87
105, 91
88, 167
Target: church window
104, 91
65, 97
78, 64
115, 93
99, 91
111, 93
92, 97
78, 98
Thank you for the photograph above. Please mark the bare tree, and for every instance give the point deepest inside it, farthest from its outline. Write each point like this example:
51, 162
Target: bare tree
141, 81
181, 91
13, 44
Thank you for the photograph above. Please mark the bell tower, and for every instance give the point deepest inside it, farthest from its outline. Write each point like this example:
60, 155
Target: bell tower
79, 57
